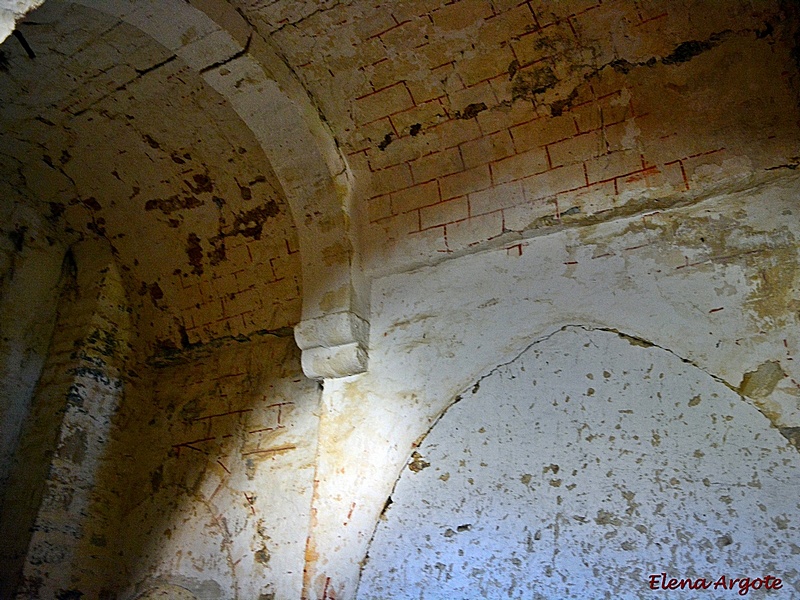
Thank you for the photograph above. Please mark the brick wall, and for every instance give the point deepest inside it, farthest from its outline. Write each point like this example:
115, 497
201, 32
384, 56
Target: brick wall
209, 474
476, 119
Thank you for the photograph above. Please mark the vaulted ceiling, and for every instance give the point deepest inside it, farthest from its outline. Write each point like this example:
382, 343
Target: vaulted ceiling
452, 124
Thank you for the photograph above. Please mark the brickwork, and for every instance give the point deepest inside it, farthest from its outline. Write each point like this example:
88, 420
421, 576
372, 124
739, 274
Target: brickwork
325, 150
576, 106
168, 162
225, 433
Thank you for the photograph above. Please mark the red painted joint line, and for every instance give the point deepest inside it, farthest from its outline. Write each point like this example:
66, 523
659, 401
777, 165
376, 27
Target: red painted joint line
721, 259
350, 513
225, 414
572, 26
325, 595
571, 190
713, 310
279, 406
266, 429
219, 462
636, 247
191, 447
704, 153
187, 444
585, 10
643, 21
272, 450
374, 91
518, 248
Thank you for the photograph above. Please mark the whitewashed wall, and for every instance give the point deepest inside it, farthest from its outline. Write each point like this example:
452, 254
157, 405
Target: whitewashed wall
715, 284
581, 468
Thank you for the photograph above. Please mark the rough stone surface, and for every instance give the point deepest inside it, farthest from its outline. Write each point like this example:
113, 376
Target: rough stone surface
461, 178
217, 447
580, 468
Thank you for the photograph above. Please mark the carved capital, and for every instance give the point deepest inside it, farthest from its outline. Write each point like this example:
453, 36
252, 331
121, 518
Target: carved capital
333, 345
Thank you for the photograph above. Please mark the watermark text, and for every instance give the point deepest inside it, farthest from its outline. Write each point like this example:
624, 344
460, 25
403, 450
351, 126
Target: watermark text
742, 584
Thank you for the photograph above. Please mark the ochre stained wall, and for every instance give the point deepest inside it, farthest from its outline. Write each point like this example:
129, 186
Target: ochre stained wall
436, 186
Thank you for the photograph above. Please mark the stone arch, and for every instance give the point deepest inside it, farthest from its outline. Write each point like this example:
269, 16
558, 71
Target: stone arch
240, 65
579, 469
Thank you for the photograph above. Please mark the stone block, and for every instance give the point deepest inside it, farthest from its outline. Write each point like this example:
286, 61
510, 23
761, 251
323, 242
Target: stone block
576, 149
382, 103
613, 165
519, 166
459, 15
554, 181
487, 149
445, 212
436, 165
496, 198
418, 196
543, 131
465, 182
475, 230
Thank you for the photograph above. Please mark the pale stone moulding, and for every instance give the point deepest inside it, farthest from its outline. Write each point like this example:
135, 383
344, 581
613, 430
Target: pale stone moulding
334, 345
245, 70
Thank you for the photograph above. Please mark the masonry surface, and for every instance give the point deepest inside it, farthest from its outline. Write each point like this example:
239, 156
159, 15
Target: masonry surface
352, 299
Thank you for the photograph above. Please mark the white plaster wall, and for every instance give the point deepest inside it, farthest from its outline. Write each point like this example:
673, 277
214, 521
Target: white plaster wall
579, 469
715, 284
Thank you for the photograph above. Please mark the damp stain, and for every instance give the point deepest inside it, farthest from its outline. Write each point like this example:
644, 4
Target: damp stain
175, 202
251, 223
194, 250
418, 463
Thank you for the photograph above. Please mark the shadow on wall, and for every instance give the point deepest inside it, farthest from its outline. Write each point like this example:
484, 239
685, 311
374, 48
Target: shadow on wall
200, 473
207, 480
580, 469
28, 443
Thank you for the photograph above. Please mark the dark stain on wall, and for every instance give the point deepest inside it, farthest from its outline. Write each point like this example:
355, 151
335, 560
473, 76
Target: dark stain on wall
156, 293
384, 143
202, 184
688, 50
195, 253
250, 223
471, 111
151, 142
525, 85
217, 253
173, 203
56, 210
17, 237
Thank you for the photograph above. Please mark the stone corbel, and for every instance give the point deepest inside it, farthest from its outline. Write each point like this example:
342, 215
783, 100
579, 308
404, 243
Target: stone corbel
333, 345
